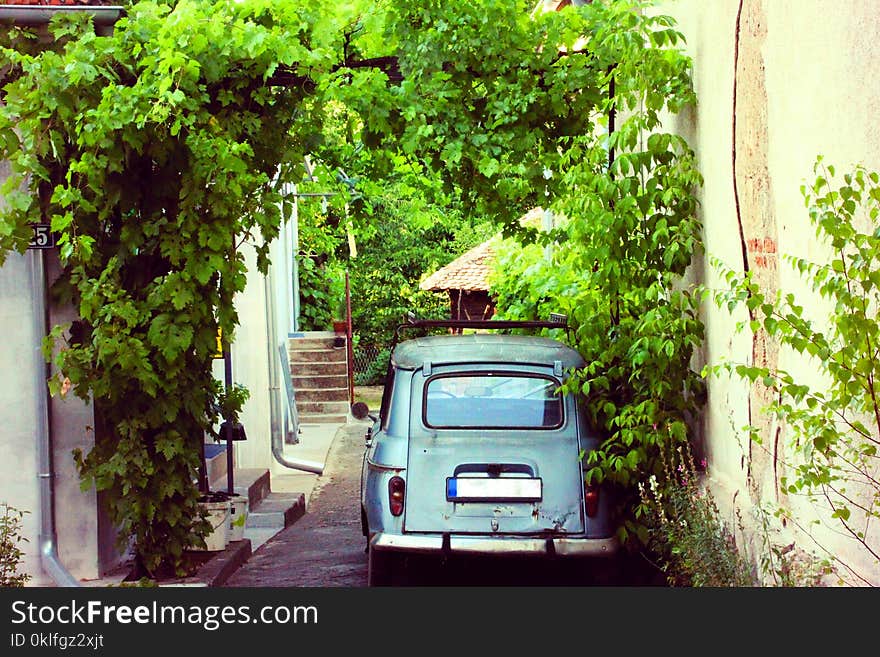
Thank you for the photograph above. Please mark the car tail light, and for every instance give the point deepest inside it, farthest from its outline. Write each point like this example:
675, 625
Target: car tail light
591, 500
396, 487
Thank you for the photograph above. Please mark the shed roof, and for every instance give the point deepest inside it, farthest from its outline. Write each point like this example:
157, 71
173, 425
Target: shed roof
468, 272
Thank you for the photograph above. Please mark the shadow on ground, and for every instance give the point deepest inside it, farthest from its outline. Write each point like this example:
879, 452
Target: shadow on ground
623, 570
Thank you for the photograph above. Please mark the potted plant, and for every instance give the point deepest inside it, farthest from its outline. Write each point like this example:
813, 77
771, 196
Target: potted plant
217, 510
340, 317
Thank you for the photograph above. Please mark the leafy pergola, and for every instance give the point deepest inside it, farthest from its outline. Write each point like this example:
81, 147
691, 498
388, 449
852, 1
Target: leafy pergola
158, 151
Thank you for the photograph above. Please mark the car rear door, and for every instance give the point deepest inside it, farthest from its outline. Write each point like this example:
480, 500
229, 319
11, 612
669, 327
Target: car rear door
493, 450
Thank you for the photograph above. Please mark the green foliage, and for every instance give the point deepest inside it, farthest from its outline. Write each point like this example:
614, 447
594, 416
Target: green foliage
229, 405
391, 263
687, 534
834, 421
10, 552
402, 224
158, 151
485, 101
321, 280
153, 153
617, 258
783, 563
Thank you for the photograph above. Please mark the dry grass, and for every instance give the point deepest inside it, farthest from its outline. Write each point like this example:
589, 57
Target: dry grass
370, 395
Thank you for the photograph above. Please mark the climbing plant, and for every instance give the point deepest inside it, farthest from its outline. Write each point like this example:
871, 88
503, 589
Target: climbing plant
832, 422
625, 232
156, 154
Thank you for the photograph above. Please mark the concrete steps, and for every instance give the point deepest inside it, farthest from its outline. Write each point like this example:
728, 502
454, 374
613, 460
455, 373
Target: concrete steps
268, 511
277, 511
319, 372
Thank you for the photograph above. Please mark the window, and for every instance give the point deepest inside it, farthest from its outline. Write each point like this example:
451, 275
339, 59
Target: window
492, 401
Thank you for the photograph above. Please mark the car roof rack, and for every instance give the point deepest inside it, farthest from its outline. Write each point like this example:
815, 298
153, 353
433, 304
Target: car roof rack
556, 321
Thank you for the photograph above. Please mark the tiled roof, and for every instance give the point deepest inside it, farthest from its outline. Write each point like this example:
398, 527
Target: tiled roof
468, 272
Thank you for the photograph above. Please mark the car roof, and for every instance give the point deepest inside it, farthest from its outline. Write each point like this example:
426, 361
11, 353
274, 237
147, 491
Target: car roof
484, 348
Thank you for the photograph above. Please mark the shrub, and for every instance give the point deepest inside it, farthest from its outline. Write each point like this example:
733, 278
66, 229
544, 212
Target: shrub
832, 422
10, 553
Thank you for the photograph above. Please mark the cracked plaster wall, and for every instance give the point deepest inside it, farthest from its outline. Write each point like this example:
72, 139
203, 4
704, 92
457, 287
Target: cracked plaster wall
778, 83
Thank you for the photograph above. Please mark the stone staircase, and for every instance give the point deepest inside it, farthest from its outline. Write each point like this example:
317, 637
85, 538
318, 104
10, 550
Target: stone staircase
319, 370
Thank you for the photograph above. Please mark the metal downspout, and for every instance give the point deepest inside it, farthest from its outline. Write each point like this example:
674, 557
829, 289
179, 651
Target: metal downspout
275, 387
47, 538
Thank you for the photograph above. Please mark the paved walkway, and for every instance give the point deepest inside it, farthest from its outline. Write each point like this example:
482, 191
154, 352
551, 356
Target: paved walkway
325, 547
314, 444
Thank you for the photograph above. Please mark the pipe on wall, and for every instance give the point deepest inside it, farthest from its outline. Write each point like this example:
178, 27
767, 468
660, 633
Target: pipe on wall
275, 429
48, 540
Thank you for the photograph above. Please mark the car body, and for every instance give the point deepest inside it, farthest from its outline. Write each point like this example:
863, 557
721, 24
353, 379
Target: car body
475, 451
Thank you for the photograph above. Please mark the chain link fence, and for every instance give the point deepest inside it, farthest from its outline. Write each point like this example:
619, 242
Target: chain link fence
370, 364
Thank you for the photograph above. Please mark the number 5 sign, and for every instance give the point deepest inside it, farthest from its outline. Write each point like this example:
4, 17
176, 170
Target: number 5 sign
43, 237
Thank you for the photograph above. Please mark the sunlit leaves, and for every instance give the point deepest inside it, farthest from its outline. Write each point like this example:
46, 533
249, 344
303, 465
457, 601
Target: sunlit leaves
626, 235
833, 421
152, 153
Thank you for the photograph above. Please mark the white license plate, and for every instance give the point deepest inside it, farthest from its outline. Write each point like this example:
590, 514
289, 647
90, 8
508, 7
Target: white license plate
492, 489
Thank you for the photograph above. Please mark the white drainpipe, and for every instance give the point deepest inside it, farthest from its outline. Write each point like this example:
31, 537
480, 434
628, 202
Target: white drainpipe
275, 427
104, 19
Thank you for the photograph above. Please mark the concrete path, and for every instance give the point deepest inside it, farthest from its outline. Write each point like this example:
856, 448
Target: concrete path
325, 547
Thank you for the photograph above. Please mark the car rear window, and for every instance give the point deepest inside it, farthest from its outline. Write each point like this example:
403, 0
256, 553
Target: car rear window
492, 401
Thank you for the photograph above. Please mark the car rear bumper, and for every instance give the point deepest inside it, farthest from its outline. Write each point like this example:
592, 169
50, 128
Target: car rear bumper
509, 545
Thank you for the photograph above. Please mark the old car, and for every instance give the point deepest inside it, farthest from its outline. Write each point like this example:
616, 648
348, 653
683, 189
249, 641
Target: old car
476, 451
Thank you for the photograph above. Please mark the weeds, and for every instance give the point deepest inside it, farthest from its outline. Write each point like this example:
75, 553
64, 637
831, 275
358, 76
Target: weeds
687, 535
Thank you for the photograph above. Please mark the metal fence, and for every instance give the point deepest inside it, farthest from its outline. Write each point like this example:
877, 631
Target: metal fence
370, 362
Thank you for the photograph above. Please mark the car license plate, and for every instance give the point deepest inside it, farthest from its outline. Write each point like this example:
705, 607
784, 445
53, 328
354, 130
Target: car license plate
492, 489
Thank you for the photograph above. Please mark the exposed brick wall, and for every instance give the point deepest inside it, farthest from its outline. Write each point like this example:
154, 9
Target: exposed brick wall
759, 226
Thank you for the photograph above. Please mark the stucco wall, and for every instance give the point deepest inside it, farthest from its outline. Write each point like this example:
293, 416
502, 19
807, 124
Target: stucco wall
84, 539
250, 368
251, 351
778, 83
18, 408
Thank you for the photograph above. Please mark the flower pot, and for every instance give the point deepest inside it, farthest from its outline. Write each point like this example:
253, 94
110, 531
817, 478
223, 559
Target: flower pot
238, 517
219, 510
340, 326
